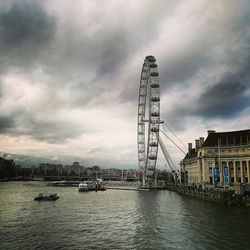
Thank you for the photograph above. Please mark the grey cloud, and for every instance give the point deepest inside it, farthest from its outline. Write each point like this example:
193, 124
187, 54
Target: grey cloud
95, 150
1, 90
114, 46
224, 96
42, 129
6, 124
183, 67
223, 100
110, 60
73, 52
25, 24
219, 40
88, 67
25, 30
46, 130
127, 39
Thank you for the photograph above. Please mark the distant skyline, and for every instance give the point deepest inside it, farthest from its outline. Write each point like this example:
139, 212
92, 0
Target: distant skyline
70, 71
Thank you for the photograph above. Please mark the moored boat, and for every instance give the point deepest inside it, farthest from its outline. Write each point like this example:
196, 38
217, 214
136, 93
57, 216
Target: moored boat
91, 186
87, 186
83, 187
46, 197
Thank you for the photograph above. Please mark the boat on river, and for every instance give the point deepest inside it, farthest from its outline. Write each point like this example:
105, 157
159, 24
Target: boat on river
91, 186
46, 197
87, 186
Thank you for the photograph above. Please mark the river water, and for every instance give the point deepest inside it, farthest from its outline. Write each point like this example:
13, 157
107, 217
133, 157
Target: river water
116, 219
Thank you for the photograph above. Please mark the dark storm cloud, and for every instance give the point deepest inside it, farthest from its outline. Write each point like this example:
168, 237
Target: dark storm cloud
113, 54
6, 123
42, 129
25, 28
183, 67
215, 66
51, 132
229, 96
223, 100
72, 51
25, 24
1, 90
87, 60
213, 40
115, 46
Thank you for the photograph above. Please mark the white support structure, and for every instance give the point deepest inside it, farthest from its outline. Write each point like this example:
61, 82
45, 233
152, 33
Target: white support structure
167, 156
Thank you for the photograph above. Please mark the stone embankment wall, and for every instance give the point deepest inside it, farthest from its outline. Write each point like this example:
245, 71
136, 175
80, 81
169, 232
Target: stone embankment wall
227, 197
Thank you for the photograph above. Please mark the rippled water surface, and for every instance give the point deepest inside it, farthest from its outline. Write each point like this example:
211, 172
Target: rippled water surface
116, 219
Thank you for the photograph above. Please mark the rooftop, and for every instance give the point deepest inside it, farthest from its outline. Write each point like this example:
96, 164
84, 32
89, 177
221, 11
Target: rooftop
223, 139
232, 138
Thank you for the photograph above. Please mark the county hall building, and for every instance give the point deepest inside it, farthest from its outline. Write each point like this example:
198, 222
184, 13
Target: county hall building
221, 159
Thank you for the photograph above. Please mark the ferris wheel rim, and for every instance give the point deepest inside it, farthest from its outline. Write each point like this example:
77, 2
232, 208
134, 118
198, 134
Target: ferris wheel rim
149, 88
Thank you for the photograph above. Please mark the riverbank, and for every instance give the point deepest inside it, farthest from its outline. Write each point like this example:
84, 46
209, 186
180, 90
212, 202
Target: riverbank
218, 195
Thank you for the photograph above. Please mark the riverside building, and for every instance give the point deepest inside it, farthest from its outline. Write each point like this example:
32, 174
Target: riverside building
223, 159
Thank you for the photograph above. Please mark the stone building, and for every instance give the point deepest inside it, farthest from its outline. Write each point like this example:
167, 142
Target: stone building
74, 169
222, 159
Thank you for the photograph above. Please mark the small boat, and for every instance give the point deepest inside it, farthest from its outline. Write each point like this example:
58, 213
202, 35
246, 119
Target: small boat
46, 197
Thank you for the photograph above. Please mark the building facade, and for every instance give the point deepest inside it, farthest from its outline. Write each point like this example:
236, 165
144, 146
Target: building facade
50, 169
222, 159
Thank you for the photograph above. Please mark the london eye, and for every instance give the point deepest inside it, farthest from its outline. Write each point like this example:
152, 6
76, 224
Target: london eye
148, 123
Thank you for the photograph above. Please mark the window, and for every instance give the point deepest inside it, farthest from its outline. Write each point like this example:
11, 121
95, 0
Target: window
230, 140
237, 140
244, 140
211, 180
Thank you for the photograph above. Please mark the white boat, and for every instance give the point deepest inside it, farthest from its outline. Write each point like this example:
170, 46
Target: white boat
87, 186
83, 187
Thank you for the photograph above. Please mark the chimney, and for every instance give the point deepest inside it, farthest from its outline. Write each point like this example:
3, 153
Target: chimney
201, 141
189, 147
210, 132
196, 145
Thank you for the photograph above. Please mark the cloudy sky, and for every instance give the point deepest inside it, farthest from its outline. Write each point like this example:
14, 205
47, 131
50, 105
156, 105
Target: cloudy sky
69, 74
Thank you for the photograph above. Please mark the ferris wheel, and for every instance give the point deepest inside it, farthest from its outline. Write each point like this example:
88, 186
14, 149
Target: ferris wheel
148, 120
